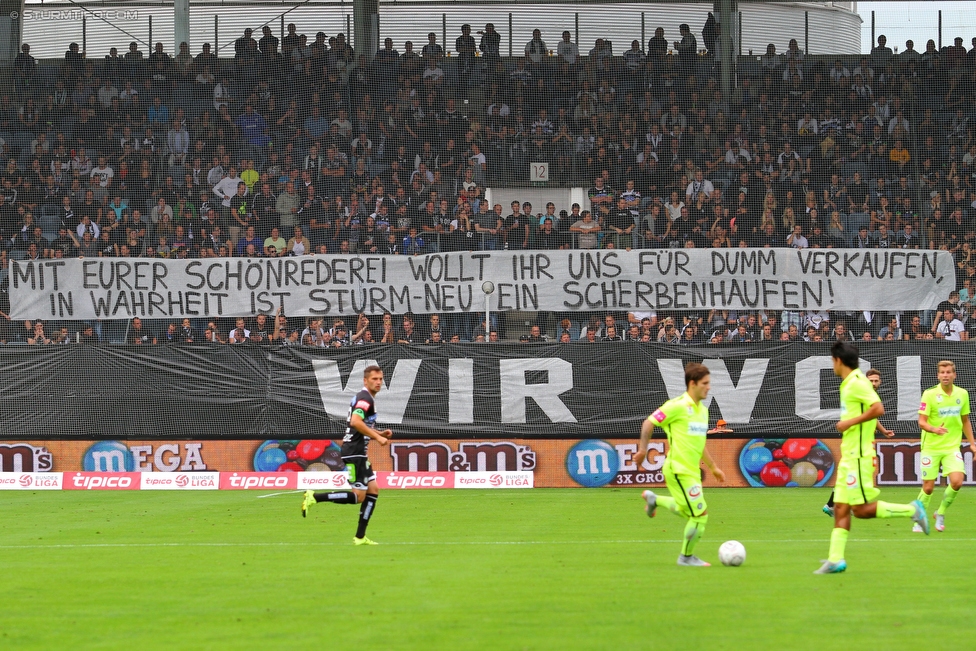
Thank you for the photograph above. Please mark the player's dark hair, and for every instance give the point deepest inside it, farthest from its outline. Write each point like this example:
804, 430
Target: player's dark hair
846, 353
369, 370
873, 371
695, 372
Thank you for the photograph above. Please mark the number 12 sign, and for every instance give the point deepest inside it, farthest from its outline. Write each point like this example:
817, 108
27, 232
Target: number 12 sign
540, 172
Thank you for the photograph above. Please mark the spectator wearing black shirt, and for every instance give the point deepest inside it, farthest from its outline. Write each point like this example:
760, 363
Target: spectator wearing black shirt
657, 46
408, 333
908, 239
547, 238
621, 224
516, 228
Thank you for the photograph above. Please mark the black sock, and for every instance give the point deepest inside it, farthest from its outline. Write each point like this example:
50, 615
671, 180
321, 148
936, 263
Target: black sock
365, 513
830, 500
338, 497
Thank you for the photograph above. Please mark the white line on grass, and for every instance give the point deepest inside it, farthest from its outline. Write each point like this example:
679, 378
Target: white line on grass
465, 543
281, 493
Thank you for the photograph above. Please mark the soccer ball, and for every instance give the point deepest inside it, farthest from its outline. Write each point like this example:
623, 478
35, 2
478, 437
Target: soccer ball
732, 553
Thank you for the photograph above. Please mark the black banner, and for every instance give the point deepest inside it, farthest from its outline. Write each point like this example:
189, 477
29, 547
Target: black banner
447, 391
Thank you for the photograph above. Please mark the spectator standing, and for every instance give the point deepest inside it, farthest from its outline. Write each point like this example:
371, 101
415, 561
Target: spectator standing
587, 231
687, 49
25, 67
567, 51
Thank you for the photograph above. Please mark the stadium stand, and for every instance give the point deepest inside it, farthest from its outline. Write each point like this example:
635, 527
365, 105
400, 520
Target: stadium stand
299, 146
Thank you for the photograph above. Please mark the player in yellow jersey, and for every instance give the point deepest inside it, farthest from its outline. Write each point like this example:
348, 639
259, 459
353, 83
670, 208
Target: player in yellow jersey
874, 377
854, 492
943, 418
685, 421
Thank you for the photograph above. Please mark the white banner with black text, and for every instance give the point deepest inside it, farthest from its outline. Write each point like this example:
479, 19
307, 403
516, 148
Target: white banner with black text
565, 280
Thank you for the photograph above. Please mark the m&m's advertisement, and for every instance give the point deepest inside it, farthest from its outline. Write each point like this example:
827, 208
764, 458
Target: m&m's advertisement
790, 463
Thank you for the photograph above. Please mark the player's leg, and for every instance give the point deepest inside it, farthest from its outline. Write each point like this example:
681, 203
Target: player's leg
670, 502
652, 500
930, 473
845, 491
953, 469
352, 496
368, 506
835, 562
829, 506
336, 497
863, 498
691, 502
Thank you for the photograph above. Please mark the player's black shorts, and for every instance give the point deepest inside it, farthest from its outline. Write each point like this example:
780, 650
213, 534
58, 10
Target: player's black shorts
360, 472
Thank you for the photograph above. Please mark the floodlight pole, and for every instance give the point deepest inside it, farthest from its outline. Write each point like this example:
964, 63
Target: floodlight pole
488, 288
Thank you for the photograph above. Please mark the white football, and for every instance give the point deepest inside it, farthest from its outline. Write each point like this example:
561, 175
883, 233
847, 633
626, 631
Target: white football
732, 553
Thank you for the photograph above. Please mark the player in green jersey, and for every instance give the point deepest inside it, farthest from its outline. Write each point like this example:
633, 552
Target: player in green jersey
854, 492
685, 421
874, 377
943, 417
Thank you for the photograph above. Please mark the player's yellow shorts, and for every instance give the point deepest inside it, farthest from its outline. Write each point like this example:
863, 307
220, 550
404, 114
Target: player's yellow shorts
949, 461
687, 492
855, 481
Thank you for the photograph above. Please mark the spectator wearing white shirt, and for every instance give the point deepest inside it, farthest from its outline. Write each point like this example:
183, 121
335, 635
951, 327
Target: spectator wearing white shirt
807, 125
226, 188
106, 93
951, 329
815, 319
221, 94
101, 177
736, 156
839, 74
634, 57
88, 226
787, 154
882, 109
503, 109
796, 238
178, 143
699, 185
240, 334
159, 210
567, 50
898, 123
478, 162
865, 70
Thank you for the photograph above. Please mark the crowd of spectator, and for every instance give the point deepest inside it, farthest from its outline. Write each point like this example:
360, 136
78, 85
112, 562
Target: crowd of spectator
299, 146
949, 322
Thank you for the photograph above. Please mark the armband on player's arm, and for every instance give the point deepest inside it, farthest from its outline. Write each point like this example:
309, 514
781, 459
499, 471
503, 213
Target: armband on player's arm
357, 423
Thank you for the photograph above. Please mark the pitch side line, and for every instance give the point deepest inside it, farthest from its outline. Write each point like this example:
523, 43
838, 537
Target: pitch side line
301, 490
455, 543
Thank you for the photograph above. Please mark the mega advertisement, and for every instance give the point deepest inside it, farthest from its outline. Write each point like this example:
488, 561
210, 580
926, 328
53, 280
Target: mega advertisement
158, 394
517, 463
768, 279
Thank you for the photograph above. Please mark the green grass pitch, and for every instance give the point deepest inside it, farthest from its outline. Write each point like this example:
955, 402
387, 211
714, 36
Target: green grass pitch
534, 569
